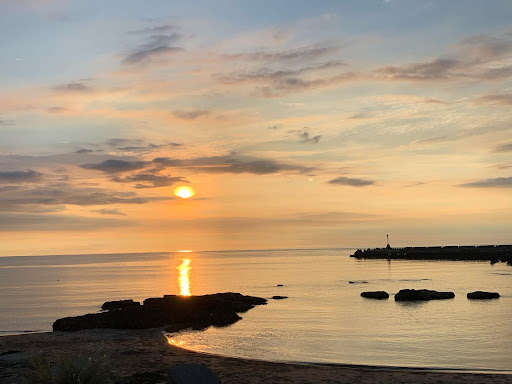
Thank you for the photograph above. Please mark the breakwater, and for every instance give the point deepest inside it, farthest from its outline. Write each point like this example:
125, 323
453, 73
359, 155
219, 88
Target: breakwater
492, 253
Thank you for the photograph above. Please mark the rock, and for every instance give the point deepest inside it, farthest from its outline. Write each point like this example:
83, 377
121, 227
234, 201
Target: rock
279, 285
358, 282
118, 304
279, 297
379, 295
190, 373
178, 312
481, 295
422, 294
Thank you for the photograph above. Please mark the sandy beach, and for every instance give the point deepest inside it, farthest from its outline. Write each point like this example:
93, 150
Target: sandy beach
144, 356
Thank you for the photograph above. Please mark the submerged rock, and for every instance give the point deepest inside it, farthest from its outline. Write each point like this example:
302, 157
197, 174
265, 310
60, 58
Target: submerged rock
279, 297
379, 295
481, 295
181, 312
422, 294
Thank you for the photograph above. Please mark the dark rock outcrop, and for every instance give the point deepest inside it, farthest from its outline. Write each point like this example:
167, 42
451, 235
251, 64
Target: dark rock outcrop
179, 312
279, 297
379, 295
188, 373
481, 295
422, 295
118, 304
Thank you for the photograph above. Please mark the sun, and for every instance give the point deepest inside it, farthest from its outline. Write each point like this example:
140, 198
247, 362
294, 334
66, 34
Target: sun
184, 192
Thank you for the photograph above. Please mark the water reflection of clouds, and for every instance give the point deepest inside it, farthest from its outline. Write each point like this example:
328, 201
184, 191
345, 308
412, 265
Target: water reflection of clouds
184, 277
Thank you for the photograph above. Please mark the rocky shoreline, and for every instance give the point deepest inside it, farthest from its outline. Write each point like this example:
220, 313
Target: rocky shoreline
174, 312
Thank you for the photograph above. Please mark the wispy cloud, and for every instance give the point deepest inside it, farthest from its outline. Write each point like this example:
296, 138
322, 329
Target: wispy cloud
296, 54
342, 180
507, 147
431, 140
500, 182
63, 193
74, 86
437, 69
498, 98
159, 29
28, 222
105, 211
116, 166
85, 150
295, 85
476, 57
15, 177
150, 180
191, 114
265, 74
155, 46
305, 137
233, 164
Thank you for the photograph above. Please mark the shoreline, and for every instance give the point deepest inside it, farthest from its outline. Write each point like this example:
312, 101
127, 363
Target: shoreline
139, 354
357, 366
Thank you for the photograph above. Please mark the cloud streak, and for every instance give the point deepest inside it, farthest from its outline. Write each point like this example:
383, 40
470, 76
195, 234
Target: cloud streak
73, 87
507, 147
297, 54
233, 164
351, 182
155, 46
191, 114
16, 177
65, 194
500, 182
116, 166
150, 180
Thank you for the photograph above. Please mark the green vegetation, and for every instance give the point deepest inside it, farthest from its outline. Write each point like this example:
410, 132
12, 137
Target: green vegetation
69, 369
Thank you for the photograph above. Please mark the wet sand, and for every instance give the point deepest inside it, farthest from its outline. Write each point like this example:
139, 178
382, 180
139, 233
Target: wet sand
144, 356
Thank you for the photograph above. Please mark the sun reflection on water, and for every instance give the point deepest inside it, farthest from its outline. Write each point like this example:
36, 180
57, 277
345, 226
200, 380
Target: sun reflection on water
184, 277
174, 342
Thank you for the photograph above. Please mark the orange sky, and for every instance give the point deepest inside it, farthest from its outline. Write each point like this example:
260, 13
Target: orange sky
324, 126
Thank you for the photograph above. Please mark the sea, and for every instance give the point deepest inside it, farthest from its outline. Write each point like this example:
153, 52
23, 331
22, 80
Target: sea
323, 320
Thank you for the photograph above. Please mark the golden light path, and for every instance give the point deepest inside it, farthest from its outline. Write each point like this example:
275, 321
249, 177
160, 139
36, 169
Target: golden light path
176, 343
184, 192
184, 278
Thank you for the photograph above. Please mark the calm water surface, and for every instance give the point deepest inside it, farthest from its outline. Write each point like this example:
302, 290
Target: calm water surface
323, 320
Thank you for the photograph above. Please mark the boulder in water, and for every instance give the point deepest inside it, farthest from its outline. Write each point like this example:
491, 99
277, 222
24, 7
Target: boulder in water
422, 295
481, 295
379, 295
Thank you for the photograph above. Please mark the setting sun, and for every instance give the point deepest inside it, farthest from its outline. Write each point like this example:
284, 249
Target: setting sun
184, 192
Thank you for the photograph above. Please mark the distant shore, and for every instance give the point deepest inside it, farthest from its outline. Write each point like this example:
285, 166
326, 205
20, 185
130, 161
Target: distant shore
492, 253
144, 356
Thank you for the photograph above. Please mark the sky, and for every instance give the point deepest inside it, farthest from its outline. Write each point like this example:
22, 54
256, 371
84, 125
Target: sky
298, 124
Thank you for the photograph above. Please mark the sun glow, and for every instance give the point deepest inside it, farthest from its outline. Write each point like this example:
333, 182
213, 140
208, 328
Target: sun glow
184, 278
184, 192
